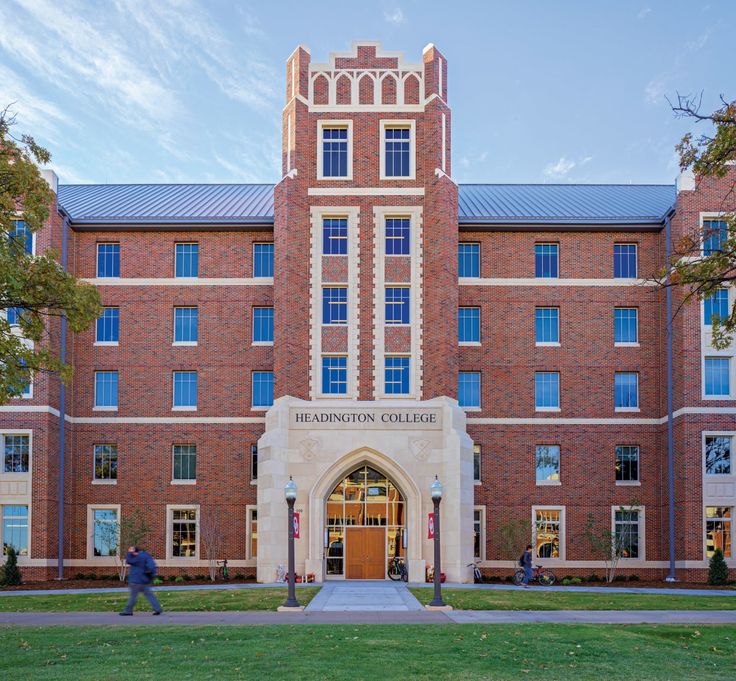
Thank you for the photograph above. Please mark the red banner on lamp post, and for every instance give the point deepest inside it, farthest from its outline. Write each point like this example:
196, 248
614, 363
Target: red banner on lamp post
296, 525
430, 526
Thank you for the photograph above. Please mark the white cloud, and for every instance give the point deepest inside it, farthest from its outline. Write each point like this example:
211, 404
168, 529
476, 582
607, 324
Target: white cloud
395, 16
698, 43
560, 169
655, 90
644, 12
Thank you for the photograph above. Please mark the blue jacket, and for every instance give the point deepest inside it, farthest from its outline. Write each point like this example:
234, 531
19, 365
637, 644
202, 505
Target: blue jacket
142, 568
526, 559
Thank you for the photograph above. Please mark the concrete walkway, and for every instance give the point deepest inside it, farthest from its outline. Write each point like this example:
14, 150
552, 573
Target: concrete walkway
364, 596
96, 619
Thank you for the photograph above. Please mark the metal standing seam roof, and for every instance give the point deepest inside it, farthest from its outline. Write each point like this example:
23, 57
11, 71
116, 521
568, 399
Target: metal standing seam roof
478, 203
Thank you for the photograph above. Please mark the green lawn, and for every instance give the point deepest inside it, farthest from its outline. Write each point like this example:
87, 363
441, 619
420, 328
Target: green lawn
195, 600
521, 599
406, 653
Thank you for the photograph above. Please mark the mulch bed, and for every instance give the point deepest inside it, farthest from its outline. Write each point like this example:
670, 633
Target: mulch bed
109, 584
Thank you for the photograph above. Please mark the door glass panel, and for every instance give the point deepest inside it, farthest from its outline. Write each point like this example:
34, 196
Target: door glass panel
335, 551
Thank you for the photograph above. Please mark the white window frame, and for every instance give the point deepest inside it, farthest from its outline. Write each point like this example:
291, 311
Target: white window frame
627, 483
471, 344
636, 257
91, 508
559, 391
399, 123
642, 532
186, 243
638, 396
563, 533
176, 481
479, 481
97, 258
408, 287
22, 560
176, 343
253, 261
102, 481
253, 325
170, 508
547, 344
322, 304
174, 407
327, 123
729, 560
726, 477
625, 344
101, 344
15, 476
94, 397
549, 483
483, 535
708, 216
397, 396
716, 354
479, 406
250, 558
334, 396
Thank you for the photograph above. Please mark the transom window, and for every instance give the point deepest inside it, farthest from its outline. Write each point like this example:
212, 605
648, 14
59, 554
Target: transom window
16, 451
397, 305
108, 260
547, 533
186, 324
468, 260
624, 261
335, 375
335, 151
397, 151
715, 233
715, 305
185, 463
263, 260
184, 533
397, 375
547, 323
625, 325
468, 389
14, 529
717, 376
262, 388
108, 325
547, 390
335, 305
718, 530
548, 463
718, 455
187, 260
627, 463
185, 389
398, 231
626, 390
106, 389
106, 462
626, 532
546, 261
263, 325
105, 532
468, 324
334, 236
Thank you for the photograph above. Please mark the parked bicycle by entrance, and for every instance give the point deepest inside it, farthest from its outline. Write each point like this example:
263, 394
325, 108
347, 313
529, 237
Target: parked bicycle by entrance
397, 570
222, 570
540, 574
477, 577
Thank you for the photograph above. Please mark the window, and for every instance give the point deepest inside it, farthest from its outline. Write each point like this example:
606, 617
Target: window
626, 390
335, 375
468, 391
185, 390
108, 260
334, 236
185, 463
625, 325
627, 463
478, 534
184, 533
262, 388
547, 533
106, 389
14, 529
476, 463
715, 233
397, 305
717, 370
187, 260
546, 261
16, 453
106, 462
624, 261
12, 315
396, 375
108, 325
186, 325
548, 464
718, 455
254, 462
263, 260
21, 236
468, 260
718, 530
547, 390
105, 532
397, 151
397, 236
468, 324
715, 305
626, 532
335, 159
547, 320
263, 325
253, 526
334, 305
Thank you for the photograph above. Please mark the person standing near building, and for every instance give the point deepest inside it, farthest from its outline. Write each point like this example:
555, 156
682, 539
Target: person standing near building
142, 571
526, 562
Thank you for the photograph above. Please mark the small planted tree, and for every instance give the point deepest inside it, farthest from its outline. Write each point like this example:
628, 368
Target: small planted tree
515, 535
130, 531
213, 540
10, 573
613, 545
717, 569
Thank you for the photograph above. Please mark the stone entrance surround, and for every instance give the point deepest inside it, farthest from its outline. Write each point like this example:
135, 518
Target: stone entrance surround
318, 443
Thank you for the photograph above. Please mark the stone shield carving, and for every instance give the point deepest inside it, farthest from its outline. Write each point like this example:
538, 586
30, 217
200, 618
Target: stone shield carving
420, 449
308, 448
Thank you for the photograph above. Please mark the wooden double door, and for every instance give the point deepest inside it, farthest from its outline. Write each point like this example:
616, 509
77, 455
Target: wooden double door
365, 552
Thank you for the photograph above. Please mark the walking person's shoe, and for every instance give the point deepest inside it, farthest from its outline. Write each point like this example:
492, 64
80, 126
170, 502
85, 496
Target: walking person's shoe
157, 612
125, 614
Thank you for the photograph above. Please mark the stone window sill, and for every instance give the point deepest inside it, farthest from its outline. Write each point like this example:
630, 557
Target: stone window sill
104, 482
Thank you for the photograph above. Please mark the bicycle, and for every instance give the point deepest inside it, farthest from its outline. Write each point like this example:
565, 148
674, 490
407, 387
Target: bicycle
222, 570
477, 577
540, 574
281, 573
397, 570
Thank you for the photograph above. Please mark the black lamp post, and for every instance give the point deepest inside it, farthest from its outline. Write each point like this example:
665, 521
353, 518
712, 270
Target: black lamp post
290, 494
436, 491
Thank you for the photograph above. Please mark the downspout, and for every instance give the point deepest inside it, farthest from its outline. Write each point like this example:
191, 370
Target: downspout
62, 409
670, 388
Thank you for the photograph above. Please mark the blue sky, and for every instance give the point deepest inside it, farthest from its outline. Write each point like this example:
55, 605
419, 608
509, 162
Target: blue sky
192, 90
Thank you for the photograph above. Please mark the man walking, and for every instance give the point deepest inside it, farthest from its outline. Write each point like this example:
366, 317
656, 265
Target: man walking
142, 572
526, 562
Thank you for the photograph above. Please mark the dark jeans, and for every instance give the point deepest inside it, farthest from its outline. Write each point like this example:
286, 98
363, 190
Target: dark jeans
135, 591
527, 574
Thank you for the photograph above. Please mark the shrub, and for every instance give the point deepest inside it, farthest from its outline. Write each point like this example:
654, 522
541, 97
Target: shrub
239, 575
200, 578
633, 578
594, 578
620, 578
178, 579
79, 575
576, 580
187, 578
91, 575
566, 581
717, 570
10, 572
172, 578
157, 581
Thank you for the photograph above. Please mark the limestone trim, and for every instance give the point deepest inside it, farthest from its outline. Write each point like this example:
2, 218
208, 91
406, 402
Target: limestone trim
365, 191
533, 281
180, 281
380, 214
316, 282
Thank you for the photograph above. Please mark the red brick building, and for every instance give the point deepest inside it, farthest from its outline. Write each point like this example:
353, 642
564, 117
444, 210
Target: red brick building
363, 326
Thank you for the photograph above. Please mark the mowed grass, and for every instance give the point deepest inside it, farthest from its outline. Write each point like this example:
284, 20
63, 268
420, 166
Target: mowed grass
358, 652
188, 601
522, 599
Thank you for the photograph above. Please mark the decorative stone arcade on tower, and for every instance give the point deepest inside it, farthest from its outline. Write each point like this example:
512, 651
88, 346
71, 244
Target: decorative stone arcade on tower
366, 213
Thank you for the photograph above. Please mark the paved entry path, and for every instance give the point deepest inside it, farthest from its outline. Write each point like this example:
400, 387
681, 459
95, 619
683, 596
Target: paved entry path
360, 596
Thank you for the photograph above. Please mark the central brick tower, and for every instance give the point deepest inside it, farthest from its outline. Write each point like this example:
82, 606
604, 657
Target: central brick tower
366, 229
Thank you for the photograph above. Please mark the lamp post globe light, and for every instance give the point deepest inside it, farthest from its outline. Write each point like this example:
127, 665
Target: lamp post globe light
436, 492
290, 495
